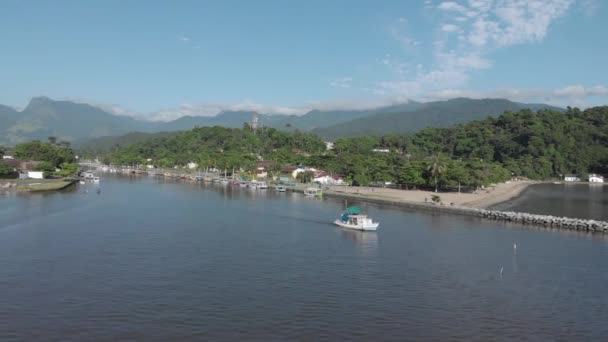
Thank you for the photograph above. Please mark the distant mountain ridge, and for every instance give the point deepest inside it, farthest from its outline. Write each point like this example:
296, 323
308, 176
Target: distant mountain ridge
70, 121
431, 114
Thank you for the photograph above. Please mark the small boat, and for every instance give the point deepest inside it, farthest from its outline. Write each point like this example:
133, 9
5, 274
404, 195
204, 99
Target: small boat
281, 188
313, 192
353, 219
243, 184
95, 179
262, 185
82, 182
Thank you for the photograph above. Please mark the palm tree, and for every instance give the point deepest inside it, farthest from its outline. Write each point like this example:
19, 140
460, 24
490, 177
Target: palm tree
436, 166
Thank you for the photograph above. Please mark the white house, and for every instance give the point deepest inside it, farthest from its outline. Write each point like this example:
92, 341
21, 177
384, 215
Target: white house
192, 165
329, 145
7, 157
35, 174
382, 150
328, 180
572, 178
593, 178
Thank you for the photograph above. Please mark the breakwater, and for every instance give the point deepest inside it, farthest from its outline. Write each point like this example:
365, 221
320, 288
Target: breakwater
546, 220
495, 215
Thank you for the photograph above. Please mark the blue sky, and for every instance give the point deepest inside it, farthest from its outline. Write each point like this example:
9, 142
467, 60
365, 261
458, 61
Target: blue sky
161, 60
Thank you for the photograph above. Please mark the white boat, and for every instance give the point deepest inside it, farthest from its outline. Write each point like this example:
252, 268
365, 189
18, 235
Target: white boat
95, 179
281, 188
353, 219
313, 192
262, 185
88, 175
82, 182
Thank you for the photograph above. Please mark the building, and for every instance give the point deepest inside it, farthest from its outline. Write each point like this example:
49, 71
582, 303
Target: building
572, 178
35, 174
382, 150
328, 179
593, 178
7, 157
329, 145
192, 165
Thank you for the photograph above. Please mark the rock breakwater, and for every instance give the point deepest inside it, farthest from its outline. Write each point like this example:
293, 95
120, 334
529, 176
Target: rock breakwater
545, 220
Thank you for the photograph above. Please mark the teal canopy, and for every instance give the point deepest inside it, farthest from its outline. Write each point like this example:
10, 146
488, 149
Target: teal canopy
353, 210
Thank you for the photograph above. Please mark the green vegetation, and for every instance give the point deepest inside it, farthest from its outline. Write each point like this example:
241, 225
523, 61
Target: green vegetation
6, 171
219, 147
537, 145
54, 155
67, 170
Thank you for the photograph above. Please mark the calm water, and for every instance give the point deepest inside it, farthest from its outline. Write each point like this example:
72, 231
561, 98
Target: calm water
588, 201
152, 260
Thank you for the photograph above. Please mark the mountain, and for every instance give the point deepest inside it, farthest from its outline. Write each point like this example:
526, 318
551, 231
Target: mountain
76, 122
65, 120
430, 114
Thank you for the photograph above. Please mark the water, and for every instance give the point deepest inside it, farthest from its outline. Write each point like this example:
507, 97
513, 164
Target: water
587, 201
151, 260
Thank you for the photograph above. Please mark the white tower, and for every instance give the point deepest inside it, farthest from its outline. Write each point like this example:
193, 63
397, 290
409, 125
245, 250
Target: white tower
254, 121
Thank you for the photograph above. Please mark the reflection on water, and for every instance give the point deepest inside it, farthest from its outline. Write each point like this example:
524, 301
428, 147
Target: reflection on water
156, 259
367, 242
588, 201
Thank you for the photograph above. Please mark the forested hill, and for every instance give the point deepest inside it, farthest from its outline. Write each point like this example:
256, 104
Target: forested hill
539, 145
430, 114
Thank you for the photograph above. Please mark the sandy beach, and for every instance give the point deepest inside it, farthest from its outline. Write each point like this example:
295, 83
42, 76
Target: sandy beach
482, 199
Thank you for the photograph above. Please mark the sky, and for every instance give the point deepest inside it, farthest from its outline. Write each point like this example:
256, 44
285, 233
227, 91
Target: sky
163, 59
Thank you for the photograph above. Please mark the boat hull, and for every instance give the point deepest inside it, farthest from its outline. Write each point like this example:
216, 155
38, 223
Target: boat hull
368, 227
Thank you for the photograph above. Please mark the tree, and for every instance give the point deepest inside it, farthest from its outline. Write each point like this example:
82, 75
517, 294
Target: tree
6, 171
52, 140
67, 170
458, 174
412, 174
305, 177
436, 166
45, 166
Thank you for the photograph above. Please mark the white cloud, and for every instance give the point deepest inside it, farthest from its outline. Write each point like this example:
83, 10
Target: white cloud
342, 82
449, 28
478, 27
451, 6
184, 39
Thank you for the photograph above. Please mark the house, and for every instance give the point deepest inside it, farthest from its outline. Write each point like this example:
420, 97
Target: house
328, 179
382, 150
296, 151
264, 164
329, 145
24, 169
572, 178
192, 165
35, 174
7, 157
593, 178
261, 174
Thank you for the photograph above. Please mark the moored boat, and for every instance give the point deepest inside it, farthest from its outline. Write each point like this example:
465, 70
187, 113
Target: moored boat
313, 192
354, 219
281, 188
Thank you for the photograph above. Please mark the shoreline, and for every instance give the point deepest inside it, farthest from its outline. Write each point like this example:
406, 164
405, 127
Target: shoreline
36, 185
481, 199
469, 204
